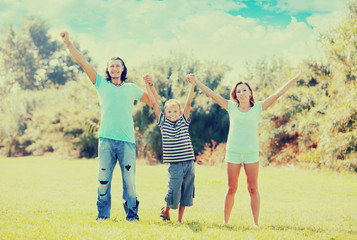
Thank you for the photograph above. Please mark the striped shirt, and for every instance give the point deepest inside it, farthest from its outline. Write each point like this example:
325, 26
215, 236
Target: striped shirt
176, 141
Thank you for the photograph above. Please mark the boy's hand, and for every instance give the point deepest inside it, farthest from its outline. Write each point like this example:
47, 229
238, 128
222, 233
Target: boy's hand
191, 78
148, 80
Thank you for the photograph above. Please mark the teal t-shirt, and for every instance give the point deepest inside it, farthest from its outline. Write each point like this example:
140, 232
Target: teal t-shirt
116, 104
243, 128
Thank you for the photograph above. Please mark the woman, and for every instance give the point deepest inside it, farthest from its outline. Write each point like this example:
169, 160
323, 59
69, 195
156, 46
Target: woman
242, 143
116, 133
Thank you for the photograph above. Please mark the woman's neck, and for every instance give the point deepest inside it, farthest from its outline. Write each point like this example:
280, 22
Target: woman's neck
244, 104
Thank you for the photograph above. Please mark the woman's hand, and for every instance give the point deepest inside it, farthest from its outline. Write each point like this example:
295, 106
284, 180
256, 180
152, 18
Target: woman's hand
191, 78
65, 37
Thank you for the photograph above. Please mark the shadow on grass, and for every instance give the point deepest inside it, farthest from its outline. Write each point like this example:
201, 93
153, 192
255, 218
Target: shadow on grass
312, 229
234, 228
295, 228
195, 226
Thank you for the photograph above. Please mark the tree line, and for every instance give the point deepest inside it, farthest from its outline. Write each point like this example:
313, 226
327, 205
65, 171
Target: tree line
49, 106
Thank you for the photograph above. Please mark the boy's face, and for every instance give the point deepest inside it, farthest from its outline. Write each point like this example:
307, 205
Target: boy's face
173, 112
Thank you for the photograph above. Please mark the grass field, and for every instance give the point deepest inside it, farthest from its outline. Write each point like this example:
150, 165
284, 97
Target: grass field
48, 198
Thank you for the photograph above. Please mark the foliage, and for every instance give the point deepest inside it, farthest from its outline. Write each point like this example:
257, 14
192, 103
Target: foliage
15, 115
336, 112
314, 123
32, 60
63, 120
169, 76
213, 154
48, 105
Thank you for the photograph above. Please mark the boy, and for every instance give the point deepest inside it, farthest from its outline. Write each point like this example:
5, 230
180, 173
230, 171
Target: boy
177, 150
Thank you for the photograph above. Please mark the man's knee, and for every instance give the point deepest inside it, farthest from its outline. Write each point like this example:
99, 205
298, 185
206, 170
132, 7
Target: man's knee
103, 187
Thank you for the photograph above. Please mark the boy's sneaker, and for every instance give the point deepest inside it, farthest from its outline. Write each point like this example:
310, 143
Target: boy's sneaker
164, 217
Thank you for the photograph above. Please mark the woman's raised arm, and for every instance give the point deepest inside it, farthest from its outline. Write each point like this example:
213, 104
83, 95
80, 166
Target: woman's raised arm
271, 99
221, 101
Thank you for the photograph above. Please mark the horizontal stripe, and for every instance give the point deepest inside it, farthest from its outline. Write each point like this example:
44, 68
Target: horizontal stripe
178, 160
176, 141
177, 147
180, 153
180, 139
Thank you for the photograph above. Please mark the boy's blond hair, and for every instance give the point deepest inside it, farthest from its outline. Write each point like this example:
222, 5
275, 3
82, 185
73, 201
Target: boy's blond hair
171, 102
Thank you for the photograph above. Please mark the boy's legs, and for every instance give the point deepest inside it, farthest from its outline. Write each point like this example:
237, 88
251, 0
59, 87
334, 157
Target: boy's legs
165, 213
107, 161
180, 213
127, 161
187, 190
172, 198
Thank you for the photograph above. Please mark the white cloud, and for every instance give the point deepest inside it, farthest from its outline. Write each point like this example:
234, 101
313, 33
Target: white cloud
140, 31
209, 35
323, 22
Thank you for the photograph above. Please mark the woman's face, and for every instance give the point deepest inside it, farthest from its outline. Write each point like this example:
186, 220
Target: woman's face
243, 93
115, 68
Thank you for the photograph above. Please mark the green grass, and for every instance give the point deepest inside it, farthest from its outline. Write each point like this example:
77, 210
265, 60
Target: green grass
48, 198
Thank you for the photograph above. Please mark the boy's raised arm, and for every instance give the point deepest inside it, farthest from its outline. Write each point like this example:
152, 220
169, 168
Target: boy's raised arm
187, 108
153, 100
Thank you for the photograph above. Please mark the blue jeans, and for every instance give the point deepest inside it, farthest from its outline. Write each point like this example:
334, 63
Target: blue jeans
110, 151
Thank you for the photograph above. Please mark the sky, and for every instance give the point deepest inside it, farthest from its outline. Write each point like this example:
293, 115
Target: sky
230, 31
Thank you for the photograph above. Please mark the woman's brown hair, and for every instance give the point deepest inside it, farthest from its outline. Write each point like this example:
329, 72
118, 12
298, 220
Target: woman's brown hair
234, 94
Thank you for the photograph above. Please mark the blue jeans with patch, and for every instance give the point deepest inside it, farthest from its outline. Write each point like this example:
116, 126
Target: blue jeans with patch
109, 152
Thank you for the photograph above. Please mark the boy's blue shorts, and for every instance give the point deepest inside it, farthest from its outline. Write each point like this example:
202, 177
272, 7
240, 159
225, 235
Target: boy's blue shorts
181, 184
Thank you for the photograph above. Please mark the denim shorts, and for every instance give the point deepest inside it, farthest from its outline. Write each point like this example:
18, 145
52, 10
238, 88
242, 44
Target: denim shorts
181, 184
242, 158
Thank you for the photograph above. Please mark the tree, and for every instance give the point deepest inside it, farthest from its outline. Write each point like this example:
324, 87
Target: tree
209, 121
32, 60
33, 70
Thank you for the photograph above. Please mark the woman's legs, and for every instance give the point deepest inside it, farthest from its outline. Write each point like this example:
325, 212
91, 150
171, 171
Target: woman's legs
251, 170
233, 171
